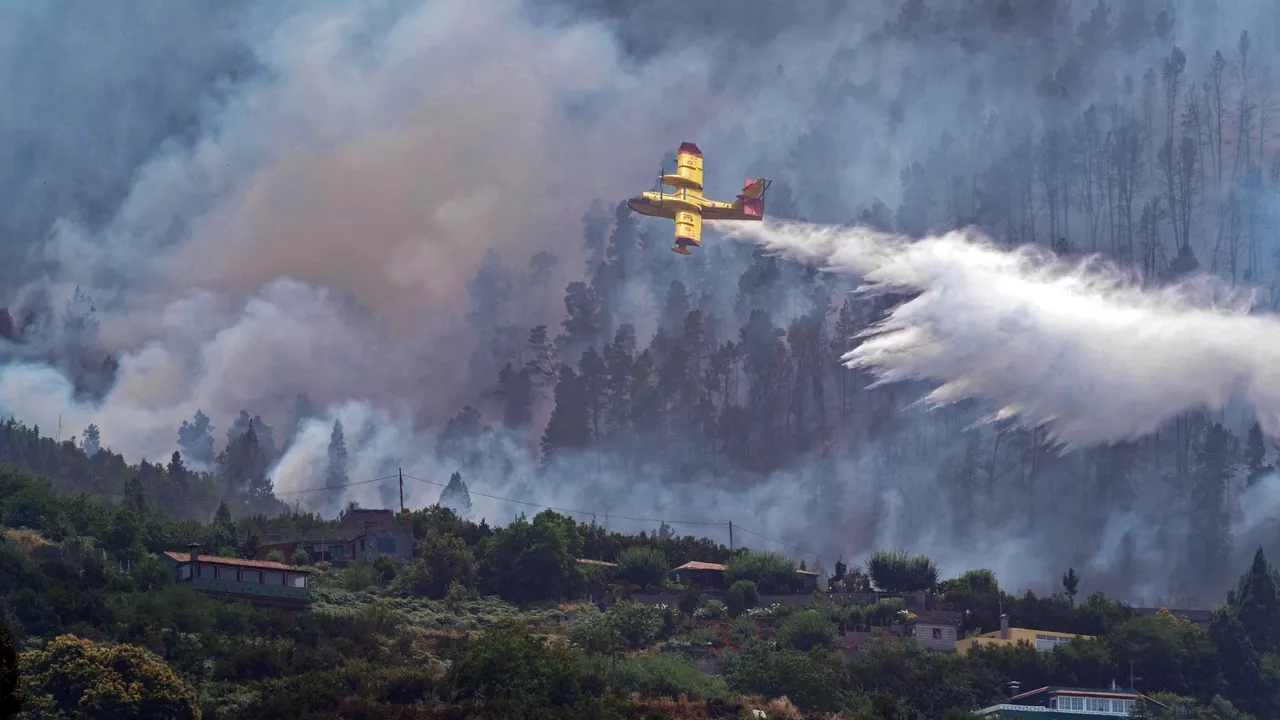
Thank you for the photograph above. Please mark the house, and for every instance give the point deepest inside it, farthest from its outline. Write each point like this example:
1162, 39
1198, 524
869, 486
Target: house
1068, 703
363, 534
356, 520
701, 575
809, 580
1042, 640
710, 576
936, 629
255, 581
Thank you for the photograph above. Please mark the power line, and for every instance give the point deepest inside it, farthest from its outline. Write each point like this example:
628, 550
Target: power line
245, 496
567, 511
704, 523
793, 547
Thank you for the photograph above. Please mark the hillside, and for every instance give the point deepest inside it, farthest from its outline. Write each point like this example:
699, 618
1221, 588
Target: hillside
478, 626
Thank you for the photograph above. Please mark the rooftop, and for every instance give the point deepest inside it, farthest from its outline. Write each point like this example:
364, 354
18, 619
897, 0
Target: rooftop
1117, 693
937, 617
183, 557
601, 563
696, 565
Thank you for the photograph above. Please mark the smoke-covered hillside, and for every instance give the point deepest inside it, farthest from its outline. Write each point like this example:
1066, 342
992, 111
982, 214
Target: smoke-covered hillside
405, 216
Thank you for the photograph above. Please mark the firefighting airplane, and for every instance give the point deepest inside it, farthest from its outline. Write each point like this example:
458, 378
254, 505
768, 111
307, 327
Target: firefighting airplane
686, 205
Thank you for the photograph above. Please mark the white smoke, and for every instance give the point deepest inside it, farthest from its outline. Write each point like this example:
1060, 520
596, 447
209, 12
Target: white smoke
1075, 346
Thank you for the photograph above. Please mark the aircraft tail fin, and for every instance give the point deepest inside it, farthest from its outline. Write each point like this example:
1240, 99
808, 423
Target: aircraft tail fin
754, 188
751, 199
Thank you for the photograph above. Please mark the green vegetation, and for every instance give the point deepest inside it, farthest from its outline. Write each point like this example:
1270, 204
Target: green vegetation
476, 626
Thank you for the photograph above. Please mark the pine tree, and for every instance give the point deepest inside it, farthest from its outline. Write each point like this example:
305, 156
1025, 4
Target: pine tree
515, 392
569, 425
242, 465
1256, 603
337, 474
455, 495
177, 472
196, 439
1255, 455
1071, 585
675, 309
594, 378
91, 440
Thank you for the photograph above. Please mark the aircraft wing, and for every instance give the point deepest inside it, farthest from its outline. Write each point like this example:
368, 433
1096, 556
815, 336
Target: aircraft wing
688, 231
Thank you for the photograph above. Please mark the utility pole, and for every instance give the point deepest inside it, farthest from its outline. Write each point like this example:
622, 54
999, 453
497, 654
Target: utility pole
730, 537
401, 472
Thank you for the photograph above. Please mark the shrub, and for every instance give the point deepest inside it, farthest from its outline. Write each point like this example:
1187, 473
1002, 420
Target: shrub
642, 566
896, 571
509, 668
357, 576
78, 678
276, 556
384, 571
445, 560
638, 625
742, 596
806, 630
300, 557
597, 636
713, 610
810, 680
770, 571
665, 675
457, 593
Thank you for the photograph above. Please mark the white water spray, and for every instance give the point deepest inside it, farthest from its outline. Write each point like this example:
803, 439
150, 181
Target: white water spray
1077, 347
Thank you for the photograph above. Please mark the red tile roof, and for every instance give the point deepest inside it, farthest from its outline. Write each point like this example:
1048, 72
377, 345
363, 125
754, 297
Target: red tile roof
602, 563
807, 572
695, 565
237, 562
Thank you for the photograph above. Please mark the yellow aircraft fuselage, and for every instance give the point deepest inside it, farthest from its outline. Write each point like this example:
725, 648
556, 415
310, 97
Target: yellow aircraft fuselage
688, 208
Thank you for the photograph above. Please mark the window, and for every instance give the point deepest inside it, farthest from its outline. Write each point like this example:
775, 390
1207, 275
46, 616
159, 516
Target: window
207, 571
937, 633
1046, 643
275, 578
226, 573
251, 576
1101, 705
386, 546
1070, 703
335, 551
184, 572
297, 580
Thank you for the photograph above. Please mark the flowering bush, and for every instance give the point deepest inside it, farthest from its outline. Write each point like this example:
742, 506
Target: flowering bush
712, 610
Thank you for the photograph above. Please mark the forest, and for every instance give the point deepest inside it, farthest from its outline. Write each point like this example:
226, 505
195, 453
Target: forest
711, 388
487, 622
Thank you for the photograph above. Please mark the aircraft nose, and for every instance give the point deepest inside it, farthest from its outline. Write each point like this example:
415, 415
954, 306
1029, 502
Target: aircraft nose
636, 201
